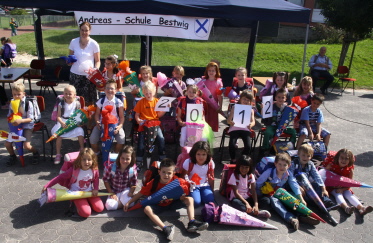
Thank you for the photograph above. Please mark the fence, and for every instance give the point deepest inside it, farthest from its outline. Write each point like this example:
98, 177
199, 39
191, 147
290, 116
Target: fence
24, 20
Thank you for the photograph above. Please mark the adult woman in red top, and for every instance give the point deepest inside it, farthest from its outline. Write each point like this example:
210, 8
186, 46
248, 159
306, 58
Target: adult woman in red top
87, 53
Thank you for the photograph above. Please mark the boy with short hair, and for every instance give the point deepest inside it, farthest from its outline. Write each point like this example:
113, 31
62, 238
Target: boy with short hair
27, 121
109, 99
145, 111
310, 122
304, 164
272, 122
167, 175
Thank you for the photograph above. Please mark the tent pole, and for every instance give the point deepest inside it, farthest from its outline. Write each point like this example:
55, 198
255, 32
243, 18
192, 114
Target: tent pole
305, 51
39, 38
147, 51
124, 47
251, 49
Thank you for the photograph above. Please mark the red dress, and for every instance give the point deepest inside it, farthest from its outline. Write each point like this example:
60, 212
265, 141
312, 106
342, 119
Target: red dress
212, 117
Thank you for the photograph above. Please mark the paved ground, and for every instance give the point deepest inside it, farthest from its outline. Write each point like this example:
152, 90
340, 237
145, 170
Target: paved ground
21, 219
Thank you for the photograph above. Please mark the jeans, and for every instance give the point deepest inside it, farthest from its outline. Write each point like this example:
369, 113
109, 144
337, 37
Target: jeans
159, 141
203, 195
316, 74
324, 199
234, 135
281, 209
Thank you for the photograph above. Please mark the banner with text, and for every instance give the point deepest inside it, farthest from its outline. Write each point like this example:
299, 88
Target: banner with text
147, 24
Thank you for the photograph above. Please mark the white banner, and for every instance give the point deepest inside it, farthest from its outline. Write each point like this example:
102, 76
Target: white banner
146, 24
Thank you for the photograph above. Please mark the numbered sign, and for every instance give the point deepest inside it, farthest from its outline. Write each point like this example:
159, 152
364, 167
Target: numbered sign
194, 112
267, 106
164, 103
242, 115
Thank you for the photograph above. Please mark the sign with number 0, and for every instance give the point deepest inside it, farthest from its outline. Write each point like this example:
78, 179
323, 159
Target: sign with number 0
194, 112
267, 106
164, 103
242, 115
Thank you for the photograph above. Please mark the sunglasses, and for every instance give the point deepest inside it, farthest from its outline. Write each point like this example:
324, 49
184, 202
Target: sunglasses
281, 74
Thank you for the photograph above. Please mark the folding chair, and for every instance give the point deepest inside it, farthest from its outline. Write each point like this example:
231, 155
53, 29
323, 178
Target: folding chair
343, 73
45, 84
37, 65
40, 126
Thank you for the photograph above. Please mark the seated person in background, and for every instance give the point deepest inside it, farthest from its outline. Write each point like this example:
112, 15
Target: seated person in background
320, 66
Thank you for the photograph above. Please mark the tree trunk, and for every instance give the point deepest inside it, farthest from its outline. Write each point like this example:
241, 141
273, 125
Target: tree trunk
345, 46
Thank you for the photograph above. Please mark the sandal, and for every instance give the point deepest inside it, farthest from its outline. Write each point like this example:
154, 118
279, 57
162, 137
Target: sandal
57, 160
350, 210
366, 210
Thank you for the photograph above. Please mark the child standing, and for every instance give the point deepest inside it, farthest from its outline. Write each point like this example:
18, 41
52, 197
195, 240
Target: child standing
199, 168
120, 178
64, 110
343, 165
117, 111
310, 122
304, 164
111, 71
167, 175
278, 177
27, 121
241, 82
145, 111
246, 98
244, 188
279, 81
82, 176
272, 123
214, 83
145, 76
177, 75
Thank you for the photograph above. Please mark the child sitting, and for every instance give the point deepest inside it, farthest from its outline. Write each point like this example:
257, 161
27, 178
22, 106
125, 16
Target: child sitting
167, 175
64, 110
310, 122
279, 81
111, 71
145, 112
304, 164
27, 121
272, 122
241, 83
118, 111
278, 177
244, 188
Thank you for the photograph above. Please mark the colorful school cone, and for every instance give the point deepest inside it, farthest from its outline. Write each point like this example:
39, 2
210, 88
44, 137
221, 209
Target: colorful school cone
332, 179
232, 216
133, 82
207, 96
295, 204
193, 133
58, 195
17, 130
162, 79
288, 115
11, 136
78, 118
305, 183
108, 124
172, 191
124, 67
95, 77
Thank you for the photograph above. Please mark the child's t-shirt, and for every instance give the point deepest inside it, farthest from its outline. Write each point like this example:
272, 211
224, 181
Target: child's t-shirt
243, 186
312, 117
112, 103
68, 109
270, 175
146, 191
146, 109
200, 170
309, 170
83, 182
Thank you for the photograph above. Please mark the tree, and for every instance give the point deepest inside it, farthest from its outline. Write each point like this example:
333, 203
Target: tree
355, 17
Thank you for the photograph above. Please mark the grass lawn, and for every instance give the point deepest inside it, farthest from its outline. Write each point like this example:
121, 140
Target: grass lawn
171, 52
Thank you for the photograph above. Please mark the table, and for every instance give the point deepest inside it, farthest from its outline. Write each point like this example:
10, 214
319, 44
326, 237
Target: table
262, 81
17, 73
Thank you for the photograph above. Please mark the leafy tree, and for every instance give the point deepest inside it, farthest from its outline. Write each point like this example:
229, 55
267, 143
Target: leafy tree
355, 17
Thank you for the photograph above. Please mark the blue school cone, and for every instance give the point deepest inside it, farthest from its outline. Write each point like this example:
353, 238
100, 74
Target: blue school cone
106, 143
288, 115
19, 145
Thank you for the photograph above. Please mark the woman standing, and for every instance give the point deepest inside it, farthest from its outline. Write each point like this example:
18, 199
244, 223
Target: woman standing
87, 53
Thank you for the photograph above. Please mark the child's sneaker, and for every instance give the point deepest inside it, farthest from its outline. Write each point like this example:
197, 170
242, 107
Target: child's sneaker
366, 210
295, 223
35, 158
308, 220
169, 231
57, 160
197, 225
350, 210
264, 214
11, 161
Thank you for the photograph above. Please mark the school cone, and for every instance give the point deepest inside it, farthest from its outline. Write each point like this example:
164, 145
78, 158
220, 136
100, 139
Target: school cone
295, 204
305, 183
232, 216
172, 191
11, 136
58, 195
207, 96
332, 179
288, 115
17, 130
108, 124
132, 81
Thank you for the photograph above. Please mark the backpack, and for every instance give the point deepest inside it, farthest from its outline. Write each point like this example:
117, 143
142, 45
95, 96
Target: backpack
10, 50
112, 161
319, 150
248, 81
169, 128
34, 101
151, 173
60, 100
211, 213
264, 164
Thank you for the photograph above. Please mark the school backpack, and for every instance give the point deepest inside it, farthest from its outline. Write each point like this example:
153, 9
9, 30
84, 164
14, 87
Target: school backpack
60, 100
211, 213
283, 146
151, 172
319, 150
264, 164
112, 161
181, 158
169, 128
34, 101
10, 50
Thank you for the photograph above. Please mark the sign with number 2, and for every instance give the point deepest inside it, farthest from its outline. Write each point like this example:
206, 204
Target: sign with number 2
267, 106
163, 103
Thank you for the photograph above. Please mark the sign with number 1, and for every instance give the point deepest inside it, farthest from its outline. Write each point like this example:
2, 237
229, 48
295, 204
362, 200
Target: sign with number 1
267, 106
194, 112
242, 115
164, 103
